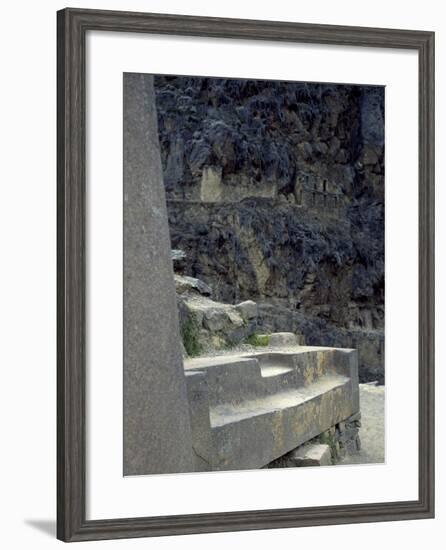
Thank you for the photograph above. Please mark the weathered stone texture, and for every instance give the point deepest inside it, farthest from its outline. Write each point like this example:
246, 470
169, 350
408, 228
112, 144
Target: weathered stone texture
247, 309
250, 409
315, 454
157, 433
338, 444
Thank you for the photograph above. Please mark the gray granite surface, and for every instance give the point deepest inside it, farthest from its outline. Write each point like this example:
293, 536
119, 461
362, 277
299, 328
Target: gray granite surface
157, 433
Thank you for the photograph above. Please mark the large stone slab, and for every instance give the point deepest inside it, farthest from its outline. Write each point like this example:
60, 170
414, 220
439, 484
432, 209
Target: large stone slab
157, 433
250, 409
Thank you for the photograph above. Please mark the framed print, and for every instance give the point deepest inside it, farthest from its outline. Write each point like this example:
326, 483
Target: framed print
245, 274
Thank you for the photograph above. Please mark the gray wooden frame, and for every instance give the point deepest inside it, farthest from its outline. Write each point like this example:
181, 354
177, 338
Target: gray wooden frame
72, 25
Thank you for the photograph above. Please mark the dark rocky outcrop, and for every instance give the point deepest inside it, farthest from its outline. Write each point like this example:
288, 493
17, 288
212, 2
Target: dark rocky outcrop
275, 192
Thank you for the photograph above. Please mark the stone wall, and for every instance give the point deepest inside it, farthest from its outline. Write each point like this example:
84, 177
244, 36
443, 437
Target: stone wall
319, 194
327, 449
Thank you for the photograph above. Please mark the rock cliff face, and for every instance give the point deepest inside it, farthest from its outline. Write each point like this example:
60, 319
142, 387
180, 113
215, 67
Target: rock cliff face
276, 194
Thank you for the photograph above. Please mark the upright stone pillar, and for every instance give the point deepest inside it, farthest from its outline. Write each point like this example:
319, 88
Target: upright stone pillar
157, 433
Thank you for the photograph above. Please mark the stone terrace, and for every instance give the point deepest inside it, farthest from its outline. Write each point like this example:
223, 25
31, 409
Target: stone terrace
250, 409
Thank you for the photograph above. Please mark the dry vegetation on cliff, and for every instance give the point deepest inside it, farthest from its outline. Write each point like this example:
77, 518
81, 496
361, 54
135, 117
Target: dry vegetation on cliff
276, 194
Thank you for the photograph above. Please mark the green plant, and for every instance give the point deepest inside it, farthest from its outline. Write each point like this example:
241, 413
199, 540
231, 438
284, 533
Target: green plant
190, 336
258, 340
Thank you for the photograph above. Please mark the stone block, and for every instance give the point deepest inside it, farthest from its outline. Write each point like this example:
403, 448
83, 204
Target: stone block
312, 455
247, 309
184, 283
214, 319
234, 317
347, 435
264, 404
157, 431
236, 335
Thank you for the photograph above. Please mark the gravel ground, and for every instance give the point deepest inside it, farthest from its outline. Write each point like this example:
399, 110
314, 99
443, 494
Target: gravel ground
372, 426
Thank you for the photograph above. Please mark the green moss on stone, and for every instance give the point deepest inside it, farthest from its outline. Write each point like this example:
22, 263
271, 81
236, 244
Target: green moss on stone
190, 336
258, 340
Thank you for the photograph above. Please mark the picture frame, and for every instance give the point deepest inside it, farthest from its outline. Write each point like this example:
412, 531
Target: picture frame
72, 26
